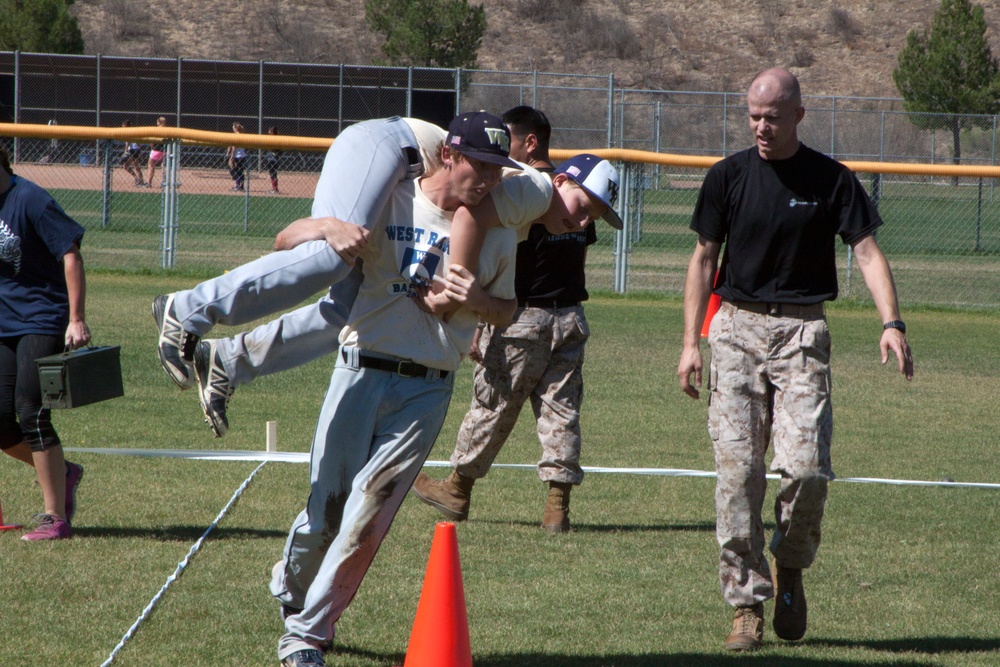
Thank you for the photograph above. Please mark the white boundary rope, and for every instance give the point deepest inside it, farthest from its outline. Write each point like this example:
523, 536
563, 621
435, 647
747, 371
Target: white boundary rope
180, 566
303, 457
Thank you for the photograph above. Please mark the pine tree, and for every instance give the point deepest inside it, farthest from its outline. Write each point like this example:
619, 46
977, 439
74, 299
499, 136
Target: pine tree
430, 33
42, 26
949, 70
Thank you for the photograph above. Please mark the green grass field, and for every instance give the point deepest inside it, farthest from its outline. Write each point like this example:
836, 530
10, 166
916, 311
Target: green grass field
906, 575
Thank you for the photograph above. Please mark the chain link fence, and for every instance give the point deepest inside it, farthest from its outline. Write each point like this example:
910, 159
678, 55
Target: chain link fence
942, 234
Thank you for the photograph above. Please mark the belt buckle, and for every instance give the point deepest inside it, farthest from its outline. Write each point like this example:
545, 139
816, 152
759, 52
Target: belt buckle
405, 373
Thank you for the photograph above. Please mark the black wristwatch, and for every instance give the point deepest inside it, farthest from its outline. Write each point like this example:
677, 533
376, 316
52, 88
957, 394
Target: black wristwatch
895, 324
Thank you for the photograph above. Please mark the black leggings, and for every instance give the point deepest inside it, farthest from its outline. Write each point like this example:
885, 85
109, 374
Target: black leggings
22, 416
237, 170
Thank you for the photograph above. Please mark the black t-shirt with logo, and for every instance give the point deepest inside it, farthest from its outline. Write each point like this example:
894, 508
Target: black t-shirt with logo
779, 220
551, 266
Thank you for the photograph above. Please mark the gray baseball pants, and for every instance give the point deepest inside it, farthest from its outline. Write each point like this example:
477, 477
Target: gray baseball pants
375, 430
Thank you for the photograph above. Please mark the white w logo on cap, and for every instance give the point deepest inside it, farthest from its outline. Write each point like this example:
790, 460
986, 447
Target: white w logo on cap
498, 136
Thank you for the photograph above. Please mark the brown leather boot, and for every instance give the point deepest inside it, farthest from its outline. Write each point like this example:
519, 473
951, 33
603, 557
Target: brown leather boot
450, 496
556, 516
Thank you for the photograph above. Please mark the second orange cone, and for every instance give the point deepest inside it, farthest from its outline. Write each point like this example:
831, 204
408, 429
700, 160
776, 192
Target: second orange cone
4, 526
440, 635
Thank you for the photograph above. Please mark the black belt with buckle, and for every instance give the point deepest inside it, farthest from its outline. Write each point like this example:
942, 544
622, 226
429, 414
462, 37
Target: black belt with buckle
406, 369
781, 309
547, 303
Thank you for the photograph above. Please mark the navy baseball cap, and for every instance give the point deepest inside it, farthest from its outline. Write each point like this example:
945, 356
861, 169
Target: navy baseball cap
599, 178
482, 136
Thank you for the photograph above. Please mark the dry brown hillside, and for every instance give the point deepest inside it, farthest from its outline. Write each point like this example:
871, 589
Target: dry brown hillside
837, 47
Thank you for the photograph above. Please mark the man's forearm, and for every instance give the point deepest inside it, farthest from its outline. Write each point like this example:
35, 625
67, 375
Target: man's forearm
496, 311
878, 277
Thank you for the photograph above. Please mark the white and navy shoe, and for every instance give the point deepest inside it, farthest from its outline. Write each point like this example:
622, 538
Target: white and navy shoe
306, 658
214, 388
175, 346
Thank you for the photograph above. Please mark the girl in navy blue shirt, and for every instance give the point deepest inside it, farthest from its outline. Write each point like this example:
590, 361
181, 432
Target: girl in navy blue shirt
42, 294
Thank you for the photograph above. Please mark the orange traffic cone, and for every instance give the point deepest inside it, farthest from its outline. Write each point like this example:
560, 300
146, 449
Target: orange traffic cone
714, 302
4, 526
440, 635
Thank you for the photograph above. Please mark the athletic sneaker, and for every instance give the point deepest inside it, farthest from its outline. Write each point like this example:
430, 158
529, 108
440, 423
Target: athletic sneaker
214, 389
74, 473
306, 658
176, 346
50, 527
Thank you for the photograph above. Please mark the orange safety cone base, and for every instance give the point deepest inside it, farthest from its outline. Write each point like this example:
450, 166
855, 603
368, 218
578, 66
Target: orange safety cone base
440, 635
4, 526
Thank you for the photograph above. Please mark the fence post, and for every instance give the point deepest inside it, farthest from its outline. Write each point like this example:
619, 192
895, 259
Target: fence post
876, 189
409, 91
97, 67
725, 124
659, 120
611, 108
246, 201
833, 124
106, 189
622, 245
979, 214
17, 103
179, 91
169, 226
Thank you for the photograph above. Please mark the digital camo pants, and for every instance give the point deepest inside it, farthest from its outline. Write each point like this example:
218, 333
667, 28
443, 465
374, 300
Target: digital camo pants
538, 356
769, 382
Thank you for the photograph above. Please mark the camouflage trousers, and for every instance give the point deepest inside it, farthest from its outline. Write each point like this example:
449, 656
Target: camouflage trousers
538, 356
769, 382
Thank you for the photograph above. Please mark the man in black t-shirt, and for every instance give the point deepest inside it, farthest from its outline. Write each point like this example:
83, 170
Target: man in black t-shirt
778, 208
539, 356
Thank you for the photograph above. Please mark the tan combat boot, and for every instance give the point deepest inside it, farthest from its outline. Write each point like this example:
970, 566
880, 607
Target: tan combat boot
450, 496
556, 516
748, 629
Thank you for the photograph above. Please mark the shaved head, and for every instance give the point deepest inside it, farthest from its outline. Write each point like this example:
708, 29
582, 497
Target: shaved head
774, 104
777, 84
